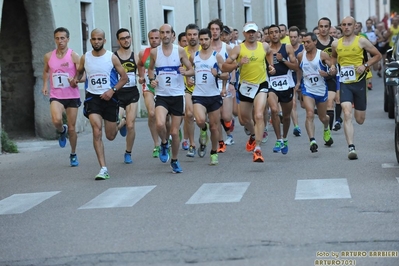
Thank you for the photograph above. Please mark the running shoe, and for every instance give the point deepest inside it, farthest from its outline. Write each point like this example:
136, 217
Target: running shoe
284, 148
123, 130
73, 159
155, 151
313, 146
203, 138
251, 144
327, 137
222, 147
297, 131
164, 153
184, 145
202, 151
62, 139
337, 126
229, 141
214, 159
102, 175
191, 151
265, 136
176, 169
232, 125
257, 156
278, 146
352, 155
128, 158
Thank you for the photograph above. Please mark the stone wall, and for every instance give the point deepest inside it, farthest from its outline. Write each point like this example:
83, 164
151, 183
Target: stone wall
17, 73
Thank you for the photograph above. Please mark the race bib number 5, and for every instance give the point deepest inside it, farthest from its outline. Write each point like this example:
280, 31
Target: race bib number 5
248, 89
347, 73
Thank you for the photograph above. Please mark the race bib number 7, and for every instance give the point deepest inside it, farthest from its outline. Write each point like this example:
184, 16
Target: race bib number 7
248, 89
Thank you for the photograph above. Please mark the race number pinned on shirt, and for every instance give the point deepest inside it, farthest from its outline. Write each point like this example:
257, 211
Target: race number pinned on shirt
167, 78
248, 89
315, 80
347, 73
99, 81
279, 83
60, 80
131, 80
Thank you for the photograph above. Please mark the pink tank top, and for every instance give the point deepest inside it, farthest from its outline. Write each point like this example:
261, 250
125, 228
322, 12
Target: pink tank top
60, 71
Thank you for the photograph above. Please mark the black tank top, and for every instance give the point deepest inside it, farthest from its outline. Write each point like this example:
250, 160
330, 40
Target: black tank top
129, 65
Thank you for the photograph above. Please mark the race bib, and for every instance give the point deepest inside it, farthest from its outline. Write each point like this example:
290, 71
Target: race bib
315, 80
60, 80
248, 89
131, 80
167, 79
347, 73
279, 83
99, 81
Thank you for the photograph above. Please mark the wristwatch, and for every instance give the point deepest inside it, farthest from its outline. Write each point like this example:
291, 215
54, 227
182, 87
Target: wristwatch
283, 60
114, 89
366, 65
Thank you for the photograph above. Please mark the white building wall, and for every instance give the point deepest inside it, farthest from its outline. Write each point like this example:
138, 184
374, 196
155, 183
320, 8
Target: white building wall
316, 9
282, 12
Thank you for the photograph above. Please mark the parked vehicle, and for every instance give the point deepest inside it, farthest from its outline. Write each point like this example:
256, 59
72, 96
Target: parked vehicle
389, 93
392, 82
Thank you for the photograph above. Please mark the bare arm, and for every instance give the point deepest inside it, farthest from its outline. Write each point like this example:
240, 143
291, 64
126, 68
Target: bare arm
151, 67
230, 63
140, 67
189, 70
79, 71
45, 73
292, 63
333, 58
298, 72
269, 58
121, 71
371, 49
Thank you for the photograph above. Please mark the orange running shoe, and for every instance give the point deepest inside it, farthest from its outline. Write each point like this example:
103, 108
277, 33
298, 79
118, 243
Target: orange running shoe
258, 158
222, 147
251, 144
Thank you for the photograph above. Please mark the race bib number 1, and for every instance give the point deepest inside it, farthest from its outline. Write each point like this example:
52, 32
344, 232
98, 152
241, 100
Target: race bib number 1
347, 73
248, 89
60, 80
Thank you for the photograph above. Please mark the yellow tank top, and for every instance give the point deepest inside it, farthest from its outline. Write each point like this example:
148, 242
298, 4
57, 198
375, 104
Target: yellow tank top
350, 57
189, 88
393, 37
255, 70
286, 40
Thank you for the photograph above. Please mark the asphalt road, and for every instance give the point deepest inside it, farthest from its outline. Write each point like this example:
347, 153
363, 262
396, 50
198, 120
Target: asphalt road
294, 209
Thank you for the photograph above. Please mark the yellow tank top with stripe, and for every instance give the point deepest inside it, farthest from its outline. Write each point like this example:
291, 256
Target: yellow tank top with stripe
350, 55
255, 70
189, 88
393, 37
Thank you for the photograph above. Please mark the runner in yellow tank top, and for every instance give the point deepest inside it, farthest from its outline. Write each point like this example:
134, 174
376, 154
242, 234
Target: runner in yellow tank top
188, 142
393, 31
349, 52
251, 57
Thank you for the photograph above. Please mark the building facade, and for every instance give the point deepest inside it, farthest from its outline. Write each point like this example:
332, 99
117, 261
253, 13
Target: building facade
24, 41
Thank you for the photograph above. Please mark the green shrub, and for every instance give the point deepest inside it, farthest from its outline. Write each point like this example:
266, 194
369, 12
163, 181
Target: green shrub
7, 145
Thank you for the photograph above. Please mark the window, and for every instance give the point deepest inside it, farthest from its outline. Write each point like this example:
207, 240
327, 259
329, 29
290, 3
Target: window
114, 22
86, 17
143, 22
168, 16
247, 14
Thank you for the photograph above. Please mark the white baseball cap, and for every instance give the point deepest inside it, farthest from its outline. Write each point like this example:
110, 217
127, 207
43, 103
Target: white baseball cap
250, 26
